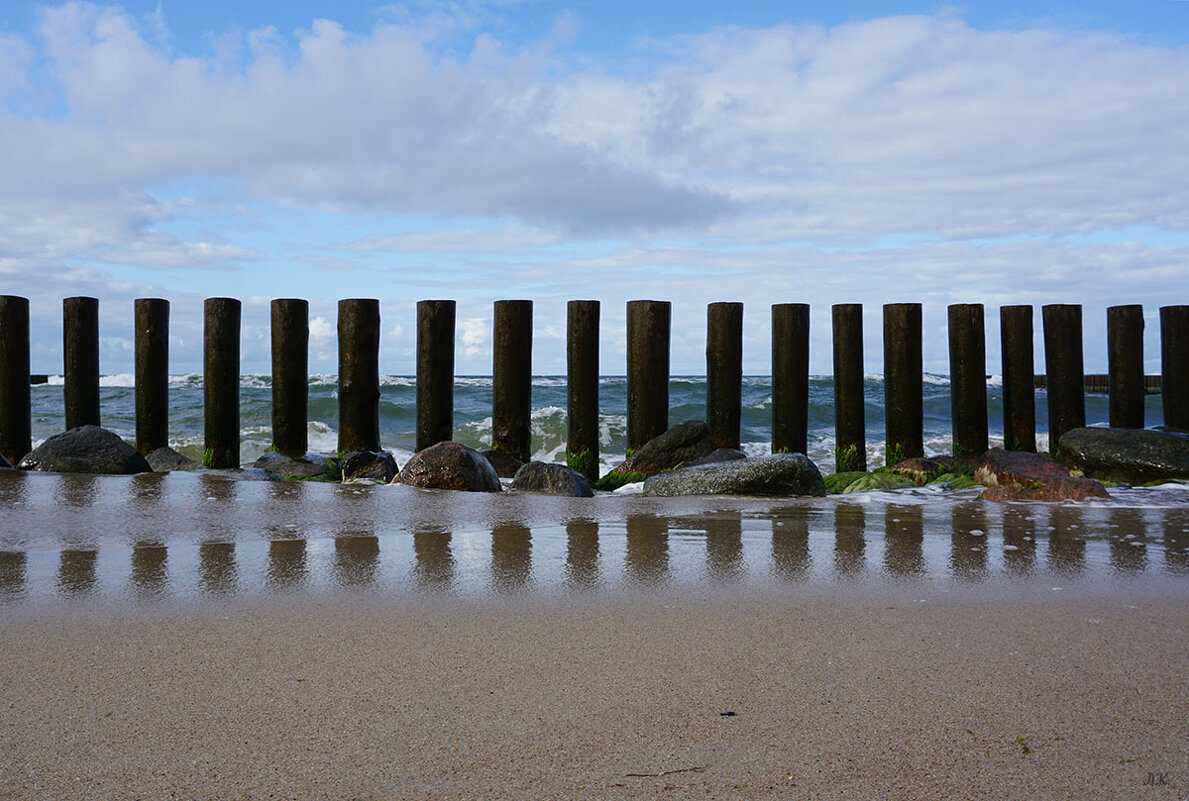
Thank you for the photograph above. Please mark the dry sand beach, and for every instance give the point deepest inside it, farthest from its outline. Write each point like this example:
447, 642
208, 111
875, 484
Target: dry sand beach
498, 677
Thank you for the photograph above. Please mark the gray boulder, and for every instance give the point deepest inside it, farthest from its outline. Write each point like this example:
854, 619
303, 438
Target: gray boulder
86, 449
452, 466
166, 460
780, 474
374, 466
1129, 455
555, 479
679, 445
306, 466
715, 456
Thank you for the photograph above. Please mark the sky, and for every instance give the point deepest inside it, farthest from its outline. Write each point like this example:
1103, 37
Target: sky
478, 150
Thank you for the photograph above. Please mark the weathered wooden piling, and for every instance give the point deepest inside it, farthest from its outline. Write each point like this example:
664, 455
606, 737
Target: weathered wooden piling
724, 372
968, 378
1064, 369
220, 369
151, 320
435, 372
80, 361
582, 369
1125, 365
1174, 365
16, 423
512, 378
648, 370
290, 329
903, 382
790, 377
359, 375
850, 415
1019, 391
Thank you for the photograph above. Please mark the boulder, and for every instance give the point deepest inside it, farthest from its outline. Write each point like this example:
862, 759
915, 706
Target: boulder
249, 474
780, 474
369, 466
86, 449
998, 467
450, 465
1058, 489
715, 456
505, 464
307, 466
682, 443
166, 460
879, 480
836, 483
552, 478
1132, 456
920, 469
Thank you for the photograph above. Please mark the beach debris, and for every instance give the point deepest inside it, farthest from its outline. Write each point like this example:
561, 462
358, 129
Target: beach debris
776, 475
695, 769
86, 449
552, 478
1128, 455
730, 713
450, 465
1023, 743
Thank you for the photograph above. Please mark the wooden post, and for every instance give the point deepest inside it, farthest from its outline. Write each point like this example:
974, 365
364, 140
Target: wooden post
16, 412
790, 377
850, 415
512, 378
1064, 369
648, 370
152, 373
1125, 365
1019, 386
359, 375
220, 368
1174, 365
80, 361
968, 378
724, 372
290, 376
903, 382
582, 366
435, 372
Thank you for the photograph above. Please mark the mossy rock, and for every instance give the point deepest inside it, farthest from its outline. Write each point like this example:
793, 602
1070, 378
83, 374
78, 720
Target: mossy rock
616, 479
837, 483
879, 481
955, 481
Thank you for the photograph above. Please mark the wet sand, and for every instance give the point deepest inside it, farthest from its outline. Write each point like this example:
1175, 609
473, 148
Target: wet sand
836, 693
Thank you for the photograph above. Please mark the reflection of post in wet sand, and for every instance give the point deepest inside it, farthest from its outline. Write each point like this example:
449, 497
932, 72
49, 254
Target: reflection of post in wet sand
790, 543
76, 489
1128, 536
214, 497
12, 488
287, 563
1019, 538
1176, 540
582, 553
647, 557
435, 562
12, 572
216, 567
511, 557
356, 559
76, 572
149, 573
904, 537
968, 545
724, 546
850, 526
145, 490
1067, 541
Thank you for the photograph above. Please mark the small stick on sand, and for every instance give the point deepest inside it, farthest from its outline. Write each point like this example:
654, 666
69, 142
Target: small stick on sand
698, 769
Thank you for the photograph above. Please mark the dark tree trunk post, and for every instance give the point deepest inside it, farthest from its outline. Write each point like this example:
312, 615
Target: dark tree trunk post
582, 366
152, 373
16, 411
968, 378
1064, 369
80, 361
220, 368
1019, 384
903, 382
850, 414
1125, 365
724, 372
290, 376
648, 370
1174, 365
790, 377
512, 378
435, 372
359, 375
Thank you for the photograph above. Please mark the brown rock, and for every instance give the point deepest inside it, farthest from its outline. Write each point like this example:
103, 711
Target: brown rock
678, 446
450, 465
505, 464
1059, 489
1000, 468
